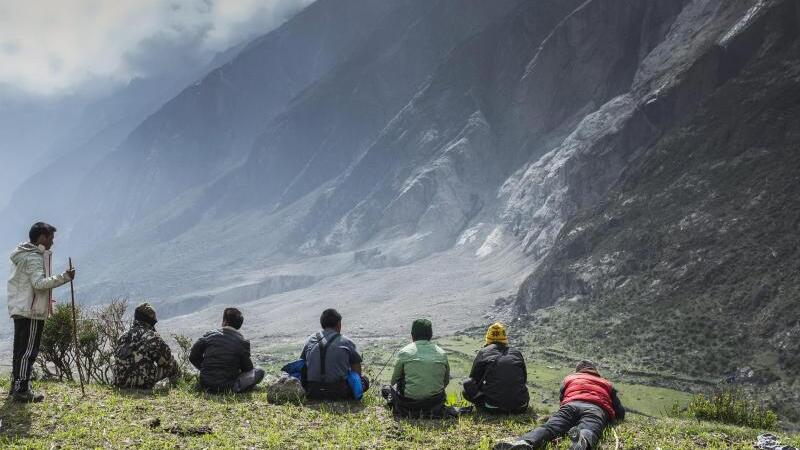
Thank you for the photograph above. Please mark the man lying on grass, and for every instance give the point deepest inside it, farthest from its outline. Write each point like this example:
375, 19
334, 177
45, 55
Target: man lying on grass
589, 403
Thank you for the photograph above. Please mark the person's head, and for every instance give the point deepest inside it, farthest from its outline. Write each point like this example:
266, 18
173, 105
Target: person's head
496, 334
232, 317
145, 313
421, 330
331, 319
42, 234
586, 366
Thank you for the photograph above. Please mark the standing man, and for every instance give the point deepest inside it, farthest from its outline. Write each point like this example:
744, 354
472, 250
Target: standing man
30, 302
223, 357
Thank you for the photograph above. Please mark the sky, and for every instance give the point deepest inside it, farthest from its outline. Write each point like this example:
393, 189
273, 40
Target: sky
57, 57
59, 47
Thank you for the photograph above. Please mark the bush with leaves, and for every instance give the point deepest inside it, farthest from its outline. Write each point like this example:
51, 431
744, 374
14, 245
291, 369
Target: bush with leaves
98, 336
56, 351
730, 406
98, 333
184, 348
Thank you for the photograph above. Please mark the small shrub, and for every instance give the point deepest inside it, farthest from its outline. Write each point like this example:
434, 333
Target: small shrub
184, 348
98, 334
57, 357
102, 332
731, 406
56, 353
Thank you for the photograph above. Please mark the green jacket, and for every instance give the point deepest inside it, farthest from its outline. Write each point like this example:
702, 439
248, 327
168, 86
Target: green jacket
424, 368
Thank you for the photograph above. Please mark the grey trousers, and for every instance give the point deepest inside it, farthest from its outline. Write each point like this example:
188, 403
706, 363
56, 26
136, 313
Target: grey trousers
248, 380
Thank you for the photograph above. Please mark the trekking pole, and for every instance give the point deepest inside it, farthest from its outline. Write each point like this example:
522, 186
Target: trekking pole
386, 363
75, 331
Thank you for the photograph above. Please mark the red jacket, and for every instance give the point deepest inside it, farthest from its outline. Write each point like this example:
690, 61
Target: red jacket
586, 387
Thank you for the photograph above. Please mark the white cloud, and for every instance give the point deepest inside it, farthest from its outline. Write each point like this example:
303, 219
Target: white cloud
54, 46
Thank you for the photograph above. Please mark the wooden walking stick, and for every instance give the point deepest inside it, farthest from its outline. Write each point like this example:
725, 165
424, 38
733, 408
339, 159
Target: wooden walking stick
75, 331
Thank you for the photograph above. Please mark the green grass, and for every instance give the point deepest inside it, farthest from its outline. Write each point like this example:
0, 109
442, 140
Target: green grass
734, 407
118, 419
545, 375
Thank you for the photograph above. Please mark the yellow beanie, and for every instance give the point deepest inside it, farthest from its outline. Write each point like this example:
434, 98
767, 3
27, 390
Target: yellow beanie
496, 334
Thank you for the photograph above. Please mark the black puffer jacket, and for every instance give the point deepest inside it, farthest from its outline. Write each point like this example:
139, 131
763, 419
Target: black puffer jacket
501, 375
221, 355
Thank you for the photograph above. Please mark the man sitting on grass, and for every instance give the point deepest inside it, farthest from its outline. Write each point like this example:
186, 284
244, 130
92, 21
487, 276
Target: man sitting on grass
142, 358
421, 374
223, 357
589, 403
330, 359
497, 381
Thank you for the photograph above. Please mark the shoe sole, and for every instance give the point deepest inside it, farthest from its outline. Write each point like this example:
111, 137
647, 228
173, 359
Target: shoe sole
506, 446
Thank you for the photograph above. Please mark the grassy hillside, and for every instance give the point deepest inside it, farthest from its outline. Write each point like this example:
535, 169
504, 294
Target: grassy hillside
110, 418
546, 368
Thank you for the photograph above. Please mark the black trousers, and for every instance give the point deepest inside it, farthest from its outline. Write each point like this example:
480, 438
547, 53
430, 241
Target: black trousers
474, 395
27, 337
590, 419
245, 382
426, 408
333, 391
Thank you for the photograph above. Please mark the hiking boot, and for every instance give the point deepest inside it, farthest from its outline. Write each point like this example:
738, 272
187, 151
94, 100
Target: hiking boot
27, 396
513, 444
579, 440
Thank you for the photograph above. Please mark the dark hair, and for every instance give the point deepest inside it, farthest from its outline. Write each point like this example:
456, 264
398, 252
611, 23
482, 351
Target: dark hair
586, 366
233, 317
40, 228
421, 329
330, 318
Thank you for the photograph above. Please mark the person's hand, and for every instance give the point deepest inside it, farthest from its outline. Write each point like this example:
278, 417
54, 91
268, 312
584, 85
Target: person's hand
71, 273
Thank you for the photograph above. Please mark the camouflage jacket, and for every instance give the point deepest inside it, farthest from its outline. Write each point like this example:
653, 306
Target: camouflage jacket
142, 358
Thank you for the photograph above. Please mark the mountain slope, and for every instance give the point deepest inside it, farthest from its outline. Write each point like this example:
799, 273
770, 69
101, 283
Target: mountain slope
326, 127
211, 125
689, 263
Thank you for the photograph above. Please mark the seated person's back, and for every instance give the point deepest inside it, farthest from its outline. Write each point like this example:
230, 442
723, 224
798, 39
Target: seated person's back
499, 374
141, 357
422, 370
328, 380
340, 355
223, 355
425, 369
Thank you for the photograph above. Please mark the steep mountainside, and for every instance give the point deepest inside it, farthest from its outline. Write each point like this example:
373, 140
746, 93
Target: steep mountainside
327, 127
682, 255
210, 126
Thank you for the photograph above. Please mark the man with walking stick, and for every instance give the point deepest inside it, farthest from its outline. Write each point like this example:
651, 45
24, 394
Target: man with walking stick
30, 302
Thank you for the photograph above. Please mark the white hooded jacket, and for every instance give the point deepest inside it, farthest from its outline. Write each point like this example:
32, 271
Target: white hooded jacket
30, 285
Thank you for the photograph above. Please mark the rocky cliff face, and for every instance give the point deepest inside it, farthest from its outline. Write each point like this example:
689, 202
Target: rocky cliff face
674, 241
